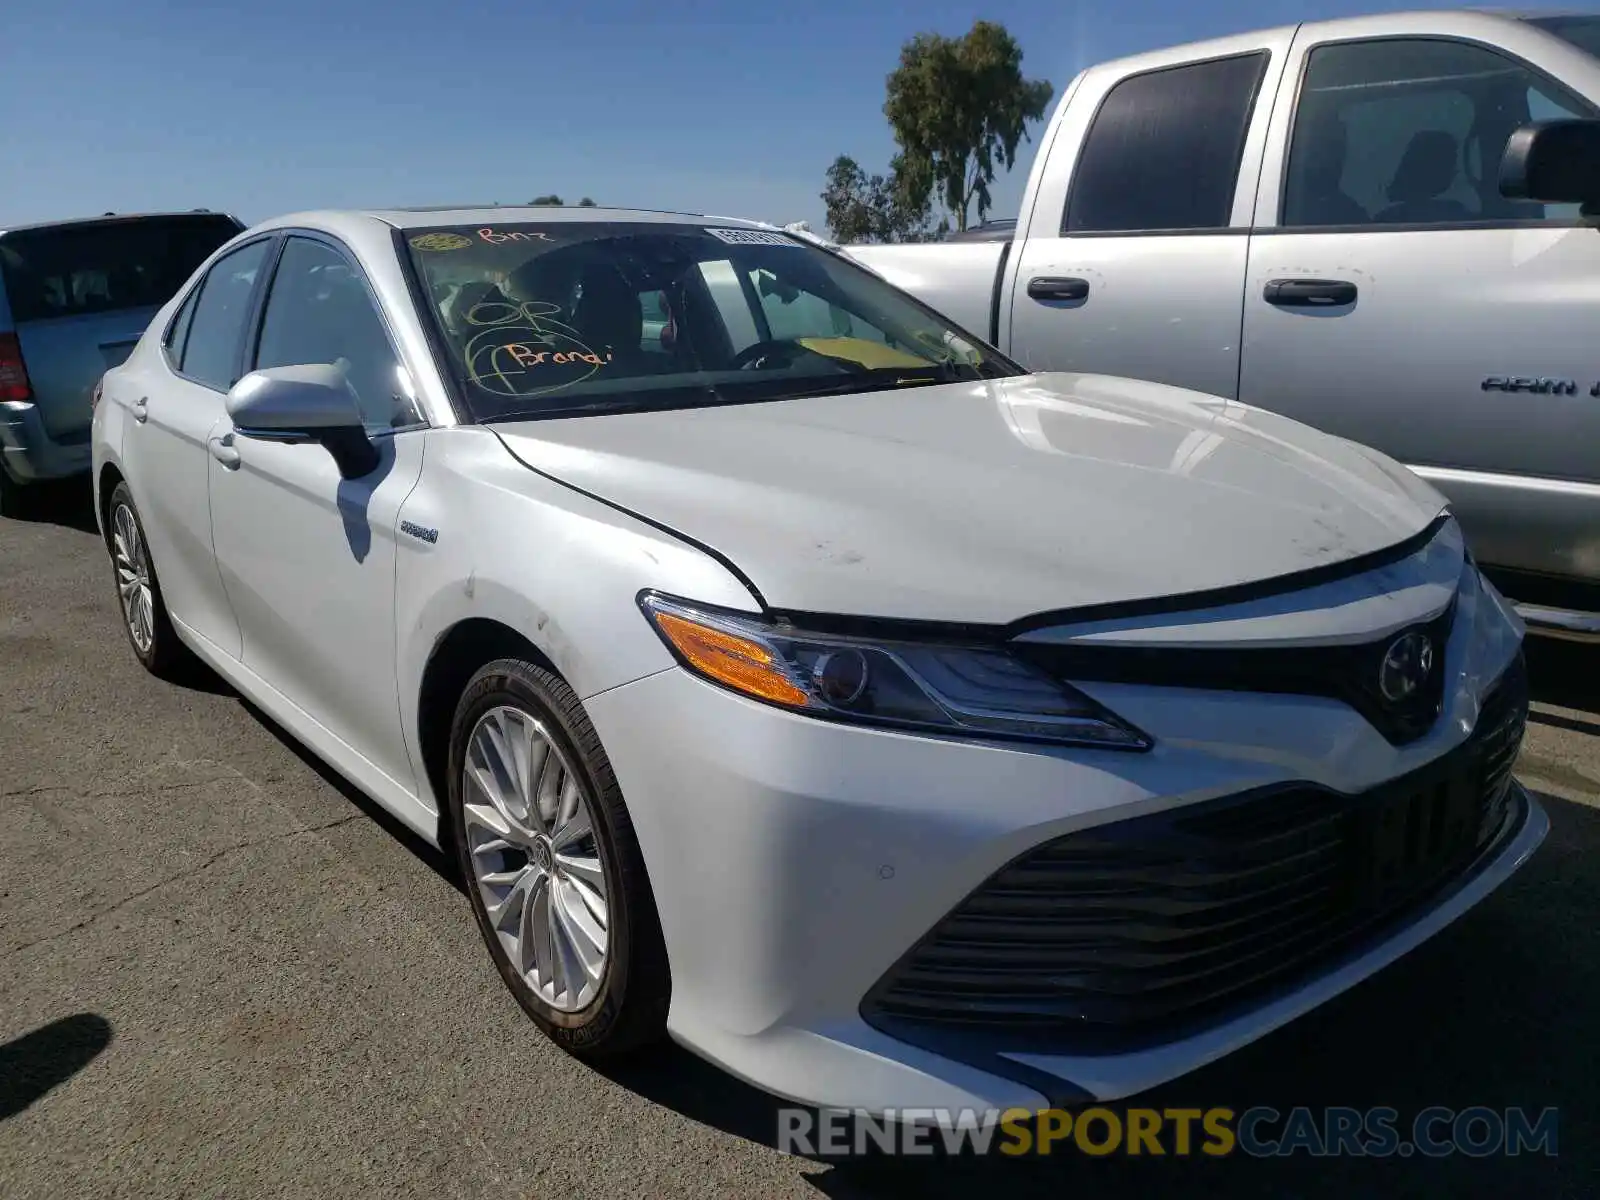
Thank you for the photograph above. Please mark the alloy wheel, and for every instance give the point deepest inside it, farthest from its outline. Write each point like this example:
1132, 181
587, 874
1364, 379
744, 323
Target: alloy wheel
529, 825
133, 578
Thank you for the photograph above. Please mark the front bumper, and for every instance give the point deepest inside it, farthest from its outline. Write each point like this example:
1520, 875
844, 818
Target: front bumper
795, 862
29, 454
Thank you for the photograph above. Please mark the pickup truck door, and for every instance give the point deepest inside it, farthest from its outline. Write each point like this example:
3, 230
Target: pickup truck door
1132, 252
1395, 298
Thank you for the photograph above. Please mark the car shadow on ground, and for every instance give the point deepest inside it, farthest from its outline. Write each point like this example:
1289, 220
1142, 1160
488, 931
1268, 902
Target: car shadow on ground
1566, 674
68, 503
439, 863
45, 1058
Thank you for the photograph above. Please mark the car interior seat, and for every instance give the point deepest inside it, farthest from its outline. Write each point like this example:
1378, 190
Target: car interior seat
1427, 170
609, 315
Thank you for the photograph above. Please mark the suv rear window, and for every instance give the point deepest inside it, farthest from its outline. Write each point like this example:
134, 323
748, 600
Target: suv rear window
73, 270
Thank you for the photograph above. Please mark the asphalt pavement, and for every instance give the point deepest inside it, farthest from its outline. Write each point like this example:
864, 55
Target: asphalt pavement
224, 973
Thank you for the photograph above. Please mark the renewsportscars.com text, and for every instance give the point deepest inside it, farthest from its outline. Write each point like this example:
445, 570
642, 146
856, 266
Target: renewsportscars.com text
1258, 1132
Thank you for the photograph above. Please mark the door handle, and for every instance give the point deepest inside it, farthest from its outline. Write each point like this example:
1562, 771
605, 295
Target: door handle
141, 409
1309, 293
224, 451
1051, 287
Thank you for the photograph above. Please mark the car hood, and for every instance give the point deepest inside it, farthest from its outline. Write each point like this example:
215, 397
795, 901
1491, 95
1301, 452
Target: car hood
988, 502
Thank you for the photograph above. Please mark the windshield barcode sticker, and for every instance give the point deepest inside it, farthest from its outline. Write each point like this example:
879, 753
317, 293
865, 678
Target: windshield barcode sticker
752, 237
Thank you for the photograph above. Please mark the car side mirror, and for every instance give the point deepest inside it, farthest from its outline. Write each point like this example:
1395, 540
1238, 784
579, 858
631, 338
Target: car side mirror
1553, 162
308, 403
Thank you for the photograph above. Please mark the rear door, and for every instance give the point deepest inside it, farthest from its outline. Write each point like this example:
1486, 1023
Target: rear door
178, 402
1396, 299
82, 294
1134, 259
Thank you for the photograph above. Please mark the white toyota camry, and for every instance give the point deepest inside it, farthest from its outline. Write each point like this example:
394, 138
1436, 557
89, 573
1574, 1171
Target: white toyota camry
794, 675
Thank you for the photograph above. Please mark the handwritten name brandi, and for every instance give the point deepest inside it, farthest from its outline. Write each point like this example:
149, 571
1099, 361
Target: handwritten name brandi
527, 356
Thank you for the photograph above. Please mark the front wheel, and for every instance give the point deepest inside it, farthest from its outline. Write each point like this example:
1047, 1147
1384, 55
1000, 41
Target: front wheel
144, 612
555, 874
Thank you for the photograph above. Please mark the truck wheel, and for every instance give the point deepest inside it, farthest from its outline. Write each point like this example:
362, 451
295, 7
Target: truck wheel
554, 873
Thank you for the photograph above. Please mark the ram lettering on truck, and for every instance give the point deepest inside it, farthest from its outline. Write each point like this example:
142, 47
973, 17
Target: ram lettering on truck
1387, 227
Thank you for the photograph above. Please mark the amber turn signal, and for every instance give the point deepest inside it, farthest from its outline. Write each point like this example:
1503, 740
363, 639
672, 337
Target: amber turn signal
742, 664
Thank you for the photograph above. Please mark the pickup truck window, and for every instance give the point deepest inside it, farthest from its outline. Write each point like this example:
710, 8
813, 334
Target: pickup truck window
1409, 131
559, 318
1164, 148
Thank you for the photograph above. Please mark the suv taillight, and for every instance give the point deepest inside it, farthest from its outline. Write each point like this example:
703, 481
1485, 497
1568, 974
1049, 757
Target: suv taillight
13, 371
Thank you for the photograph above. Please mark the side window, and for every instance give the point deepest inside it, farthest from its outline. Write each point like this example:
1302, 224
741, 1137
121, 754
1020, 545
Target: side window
211, 349
1410, 131
1163, 152
319, 311
178, 331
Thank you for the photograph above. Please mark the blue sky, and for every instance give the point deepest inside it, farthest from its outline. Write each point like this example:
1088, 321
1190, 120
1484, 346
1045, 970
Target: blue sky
734, 108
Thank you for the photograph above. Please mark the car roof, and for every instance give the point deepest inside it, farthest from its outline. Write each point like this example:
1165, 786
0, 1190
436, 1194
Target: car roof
116, 219
369, 231
416, 218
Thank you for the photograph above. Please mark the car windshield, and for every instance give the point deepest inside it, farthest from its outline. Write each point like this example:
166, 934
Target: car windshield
1582, 31
558, 318
96, 267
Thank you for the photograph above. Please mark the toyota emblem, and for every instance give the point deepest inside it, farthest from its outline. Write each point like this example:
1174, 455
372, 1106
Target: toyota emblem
1407, 663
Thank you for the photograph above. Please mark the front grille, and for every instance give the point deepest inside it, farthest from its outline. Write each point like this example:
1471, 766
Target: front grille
1136, 931
1345, 672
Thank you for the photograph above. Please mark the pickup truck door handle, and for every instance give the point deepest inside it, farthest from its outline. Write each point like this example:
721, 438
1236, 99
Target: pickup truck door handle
224, 451
1309, 293
141, 409
1051, 287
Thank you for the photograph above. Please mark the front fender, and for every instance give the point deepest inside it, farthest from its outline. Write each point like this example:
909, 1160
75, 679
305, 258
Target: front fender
558, 567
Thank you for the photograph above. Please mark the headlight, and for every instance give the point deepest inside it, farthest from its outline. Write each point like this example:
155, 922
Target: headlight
928, 687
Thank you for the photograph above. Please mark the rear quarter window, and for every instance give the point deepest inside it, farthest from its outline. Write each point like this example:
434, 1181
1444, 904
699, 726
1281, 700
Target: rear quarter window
75, 270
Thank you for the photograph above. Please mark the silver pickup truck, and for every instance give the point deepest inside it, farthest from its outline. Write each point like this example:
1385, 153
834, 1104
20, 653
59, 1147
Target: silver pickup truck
1387, 227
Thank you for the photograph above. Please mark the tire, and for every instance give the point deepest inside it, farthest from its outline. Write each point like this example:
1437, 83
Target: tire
161, 652
524, 705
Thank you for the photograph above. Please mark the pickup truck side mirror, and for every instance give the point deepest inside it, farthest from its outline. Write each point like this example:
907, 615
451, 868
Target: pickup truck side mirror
1553, 162
309, 403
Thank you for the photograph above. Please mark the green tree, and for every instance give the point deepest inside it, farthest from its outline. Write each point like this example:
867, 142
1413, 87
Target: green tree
551, 201
958, 108
876, 208
586, 203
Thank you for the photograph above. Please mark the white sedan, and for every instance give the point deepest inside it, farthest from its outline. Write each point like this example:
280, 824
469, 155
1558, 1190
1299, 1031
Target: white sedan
794, 675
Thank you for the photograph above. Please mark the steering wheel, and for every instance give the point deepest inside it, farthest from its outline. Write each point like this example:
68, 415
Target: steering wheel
754, 358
